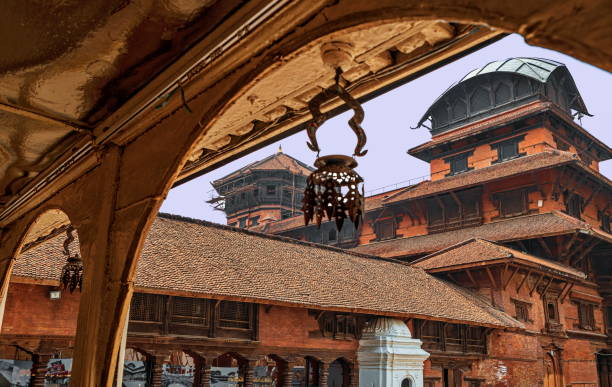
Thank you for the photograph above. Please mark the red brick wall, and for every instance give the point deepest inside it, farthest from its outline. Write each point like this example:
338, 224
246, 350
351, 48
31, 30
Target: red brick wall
292, 327
29, 311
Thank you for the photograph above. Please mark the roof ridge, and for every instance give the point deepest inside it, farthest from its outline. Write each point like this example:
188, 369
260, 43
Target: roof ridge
280, 238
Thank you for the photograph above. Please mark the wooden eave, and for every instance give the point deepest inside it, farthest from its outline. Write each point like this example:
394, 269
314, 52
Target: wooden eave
510, 261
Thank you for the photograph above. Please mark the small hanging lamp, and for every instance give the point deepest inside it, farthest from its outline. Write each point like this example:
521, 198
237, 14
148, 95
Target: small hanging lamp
334, 189
72, 272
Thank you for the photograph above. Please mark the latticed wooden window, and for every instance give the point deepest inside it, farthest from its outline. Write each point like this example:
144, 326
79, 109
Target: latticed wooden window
508, 150
586, 315
147, 307
521, 310
234, 315
385, 229
512, 203
573, 205
193, 311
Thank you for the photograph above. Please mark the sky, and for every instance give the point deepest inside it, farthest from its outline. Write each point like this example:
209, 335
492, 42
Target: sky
388, 122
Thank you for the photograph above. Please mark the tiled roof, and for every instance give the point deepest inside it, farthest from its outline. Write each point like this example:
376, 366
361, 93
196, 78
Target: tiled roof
542, 160
478, 250
522, 227
371, 203
277, 161
201, 258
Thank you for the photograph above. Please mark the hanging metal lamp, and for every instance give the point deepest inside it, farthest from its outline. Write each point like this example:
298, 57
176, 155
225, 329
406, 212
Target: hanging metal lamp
72, 272
334, 189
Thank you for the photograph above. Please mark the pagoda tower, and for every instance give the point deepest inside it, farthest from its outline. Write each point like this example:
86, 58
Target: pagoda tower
267, 190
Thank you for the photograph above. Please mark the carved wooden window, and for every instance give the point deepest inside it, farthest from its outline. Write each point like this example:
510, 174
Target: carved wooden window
192, 311
605, 218
561, 145
512, 203
454, 211
147, 307
458, 163
385, 228
234, 315
586, 315
508, 149
443, 337
339, 326
573, 204
521, 310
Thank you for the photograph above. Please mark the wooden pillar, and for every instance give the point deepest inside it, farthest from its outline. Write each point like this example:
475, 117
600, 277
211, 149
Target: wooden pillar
354, 374
288, 373
323, 373
39, 369
205, 378
249, 372
156, 370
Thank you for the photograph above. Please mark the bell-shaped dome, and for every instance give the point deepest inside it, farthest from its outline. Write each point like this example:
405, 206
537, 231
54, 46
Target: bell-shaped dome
502, 85
386, 326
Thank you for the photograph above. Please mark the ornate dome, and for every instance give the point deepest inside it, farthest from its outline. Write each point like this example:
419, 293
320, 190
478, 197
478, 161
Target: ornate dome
386, 326
502, 85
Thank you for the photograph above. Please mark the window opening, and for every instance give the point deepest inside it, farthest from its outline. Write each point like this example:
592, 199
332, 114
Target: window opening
234, 315
271, 190
522, 310
586, 315
513, 203
508, 150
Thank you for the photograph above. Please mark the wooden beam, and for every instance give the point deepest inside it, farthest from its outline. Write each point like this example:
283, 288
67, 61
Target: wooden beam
577, 248
536, 285
516, 269
567, 284
490, 275
451, 277
585, 252
523, 281
545, 246
456, 199
469, 274
522, 245
503, 273
593, 193
566, 293
569, 244
547, 285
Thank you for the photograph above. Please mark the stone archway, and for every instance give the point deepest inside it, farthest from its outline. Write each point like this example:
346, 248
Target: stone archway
117, 198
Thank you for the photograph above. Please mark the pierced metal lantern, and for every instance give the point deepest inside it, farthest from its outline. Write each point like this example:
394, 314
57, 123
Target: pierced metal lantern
334, 189
72, 272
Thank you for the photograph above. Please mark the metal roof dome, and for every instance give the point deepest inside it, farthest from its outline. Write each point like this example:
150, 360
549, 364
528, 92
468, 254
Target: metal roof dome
543, 71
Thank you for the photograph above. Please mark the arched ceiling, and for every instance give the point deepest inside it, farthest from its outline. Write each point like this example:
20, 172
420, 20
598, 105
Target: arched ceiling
77, 75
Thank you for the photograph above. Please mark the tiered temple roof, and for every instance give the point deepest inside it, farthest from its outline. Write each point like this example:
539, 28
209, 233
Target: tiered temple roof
480, 252
505, 230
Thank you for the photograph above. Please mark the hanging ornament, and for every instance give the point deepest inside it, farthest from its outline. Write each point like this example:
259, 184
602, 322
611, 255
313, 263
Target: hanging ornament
334, 189
72, 272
